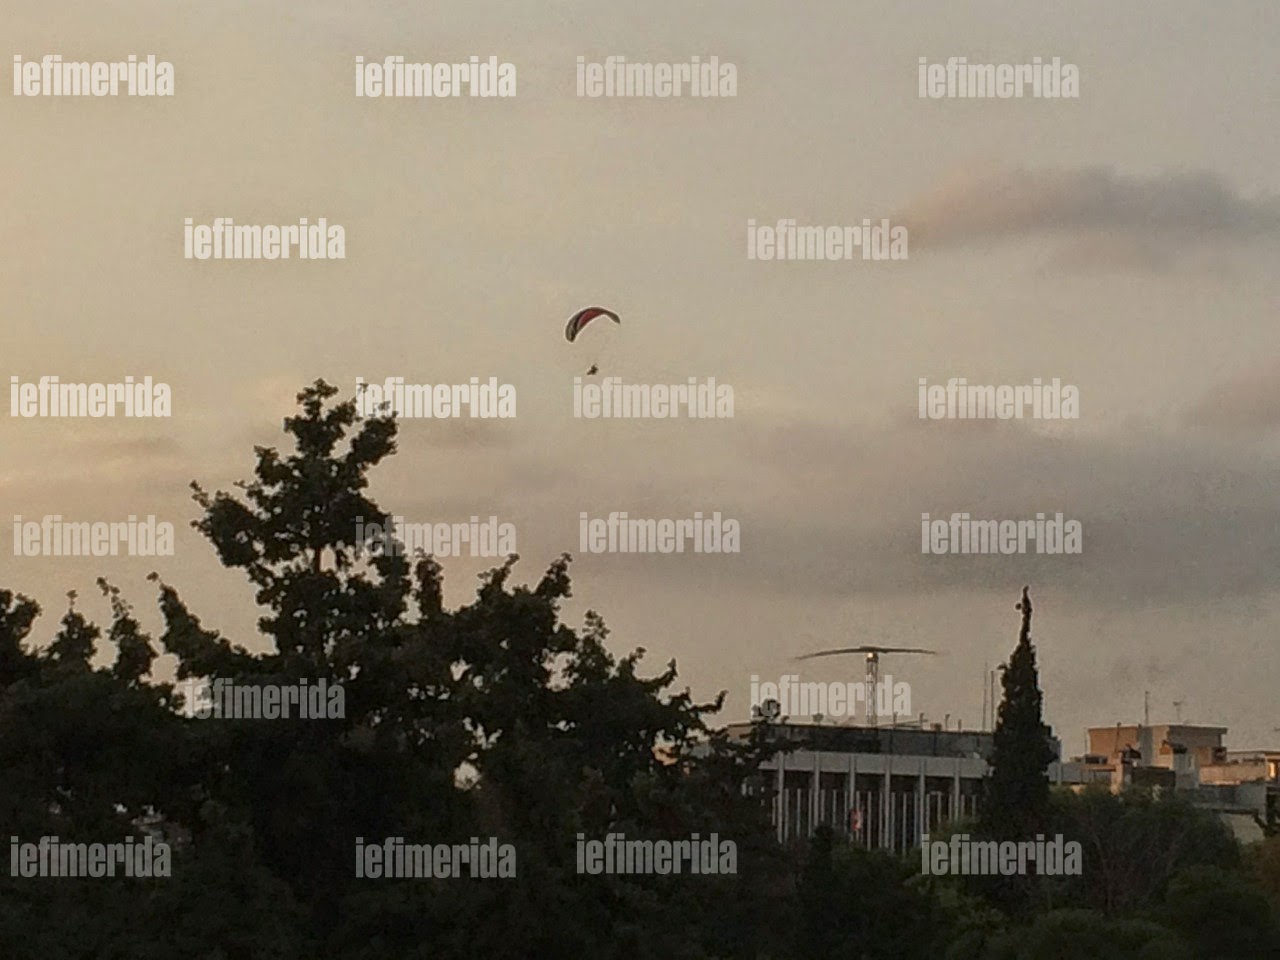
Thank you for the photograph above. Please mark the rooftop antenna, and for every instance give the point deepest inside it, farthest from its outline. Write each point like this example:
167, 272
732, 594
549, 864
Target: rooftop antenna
872, 654
1177, 709
1146, 708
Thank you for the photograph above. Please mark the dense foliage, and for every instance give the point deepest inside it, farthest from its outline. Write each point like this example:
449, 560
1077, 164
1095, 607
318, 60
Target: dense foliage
494, 719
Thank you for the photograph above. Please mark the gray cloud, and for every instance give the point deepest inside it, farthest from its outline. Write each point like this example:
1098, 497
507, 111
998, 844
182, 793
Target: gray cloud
1247, 401
1141, 221
1167, 516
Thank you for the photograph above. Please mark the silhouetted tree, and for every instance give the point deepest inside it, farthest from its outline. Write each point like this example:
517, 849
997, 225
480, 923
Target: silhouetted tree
1017, 794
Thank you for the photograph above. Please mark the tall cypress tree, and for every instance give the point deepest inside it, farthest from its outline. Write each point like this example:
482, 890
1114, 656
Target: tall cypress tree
1018, 786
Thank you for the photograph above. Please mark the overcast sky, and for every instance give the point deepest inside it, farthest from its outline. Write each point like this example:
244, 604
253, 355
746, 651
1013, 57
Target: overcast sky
1124, 242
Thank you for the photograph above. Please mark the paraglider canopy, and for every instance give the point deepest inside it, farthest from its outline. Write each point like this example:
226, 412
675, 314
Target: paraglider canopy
585, 316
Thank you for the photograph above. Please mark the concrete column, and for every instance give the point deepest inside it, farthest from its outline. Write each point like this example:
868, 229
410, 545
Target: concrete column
851, 793
886, 813
815, 797
922, 814
780, 799
955, 794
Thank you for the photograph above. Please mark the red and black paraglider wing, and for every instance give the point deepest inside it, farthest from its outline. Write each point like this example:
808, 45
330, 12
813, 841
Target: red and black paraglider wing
585, 316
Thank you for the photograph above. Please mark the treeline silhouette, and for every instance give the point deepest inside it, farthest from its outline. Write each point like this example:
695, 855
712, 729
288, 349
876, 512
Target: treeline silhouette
495, 719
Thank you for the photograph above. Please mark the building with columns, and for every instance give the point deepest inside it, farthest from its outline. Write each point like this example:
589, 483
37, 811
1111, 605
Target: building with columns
884, 786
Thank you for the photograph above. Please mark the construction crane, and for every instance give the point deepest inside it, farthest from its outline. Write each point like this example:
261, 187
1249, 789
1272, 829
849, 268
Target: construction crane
872, 654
